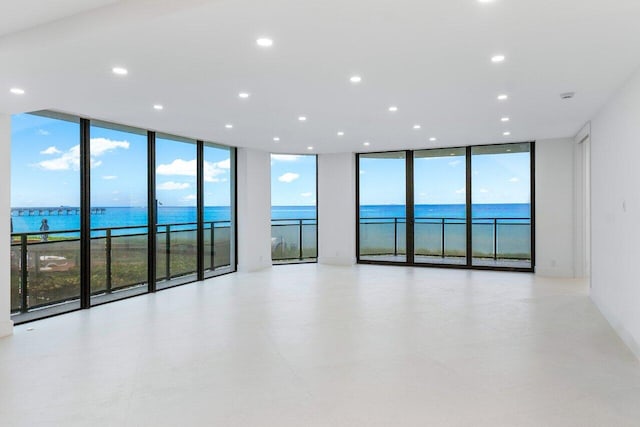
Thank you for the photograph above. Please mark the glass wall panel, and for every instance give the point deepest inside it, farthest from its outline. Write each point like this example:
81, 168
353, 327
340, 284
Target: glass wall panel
219, 228
119, 226
45, 213
382, 207
440, 228
176, 204
293, 208
501, 194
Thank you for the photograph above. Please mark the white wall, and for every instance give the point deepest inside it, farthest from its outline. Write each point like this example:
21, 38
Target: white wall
6, 326
336, 209
554, 207
254, 210
615, 212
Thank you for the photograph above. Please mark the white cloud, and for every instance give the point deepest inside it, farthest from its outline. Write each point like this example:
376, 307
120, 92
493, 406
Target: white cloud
454, 163
190, 197
43, 132
51, 150
484, 190
180, 167
288, 177
224, 164
109, 177
170, 185
514, 179
363, 172
306, 194
460, 191
71, 158
285, 157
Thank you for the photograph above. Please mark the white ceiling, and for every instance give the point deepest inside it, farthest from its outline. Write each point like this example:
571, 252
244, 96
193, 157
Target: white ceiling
431, 58
23, 14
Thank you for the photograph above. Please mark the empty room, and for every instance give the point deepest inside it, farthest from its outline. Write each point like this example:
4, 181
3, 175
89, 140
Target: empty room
319, 213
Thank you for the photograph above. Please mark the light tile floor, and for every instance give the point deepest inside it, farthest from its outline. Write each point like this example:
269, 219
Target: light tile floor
310, 345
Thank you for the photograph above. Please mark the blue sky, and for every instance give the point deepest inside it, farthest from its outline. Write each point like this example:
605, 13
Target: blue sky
45, 167
497, 178
293, 180
45, 172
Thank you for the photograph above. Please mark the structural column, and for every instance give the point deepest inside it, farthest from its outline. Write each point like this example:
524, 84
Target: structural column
254, 209
336, 209
6, 325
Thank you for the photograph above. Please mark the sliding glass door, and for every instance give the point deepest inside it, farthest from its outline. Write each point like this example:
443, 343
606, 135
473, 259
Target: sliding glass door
440, 226
469, 207
501, 194
383, 207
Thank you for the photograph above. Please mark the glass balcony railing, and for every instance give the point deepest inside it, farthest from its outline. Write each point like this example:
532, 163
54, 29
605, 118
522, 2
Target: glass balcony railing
45, 268
493, 238
293, 240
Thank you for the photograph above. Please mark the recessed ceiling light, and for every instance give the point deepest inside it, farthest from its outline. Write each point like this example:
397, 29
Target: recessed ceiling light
302, 118
158, 107
433, 139
264, 42
355, 79
505, 119
497, 59
507, 133
309, 148
366, 144
243, 95
503, 97
508, 150
229, 126
485, 1
120, 71
16, 91
393, 108
416, 127
340, 133
276, 138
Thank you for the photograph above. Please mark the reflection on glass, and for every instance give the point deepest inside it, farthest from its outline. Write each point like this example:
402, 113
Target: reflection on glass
440, 234
382, 207
45, 214
176, 247
219, 251
293, 208
501, 195
119, 226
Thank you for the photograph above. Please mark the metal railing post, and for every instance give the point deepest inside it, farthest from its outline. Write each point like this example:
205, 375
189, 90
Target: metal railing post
395, 236
167, 252
495, 239
24, 274
300, 237
213, 242
442, 238
108, 260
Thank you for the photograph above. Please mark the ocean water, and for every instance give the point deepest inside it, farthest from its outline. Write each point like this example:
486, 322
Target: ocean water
125, 216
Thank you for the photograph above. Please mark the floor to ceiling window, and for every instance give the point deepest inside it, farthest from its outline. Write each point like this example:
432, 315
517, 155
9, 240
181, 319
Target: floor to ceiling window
45, 215
176, 203
501, 194
294, 229
466, 207
219, 229
119, 224
383, 207
440, 226
101, 212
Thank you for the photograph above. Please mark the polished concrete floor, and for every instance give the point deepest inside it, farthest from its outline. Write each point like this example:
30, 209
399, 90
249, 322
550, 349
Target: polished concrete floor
310, 345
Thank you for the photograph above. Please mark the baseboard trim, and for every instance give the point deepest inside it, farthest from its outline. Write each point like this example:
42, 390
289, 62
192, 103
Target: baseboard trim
6, 328
619, 328
336, 260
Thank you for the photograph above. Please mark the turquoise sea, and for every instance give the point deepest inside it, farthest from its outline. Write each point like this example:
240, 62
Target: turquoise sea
126, 216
